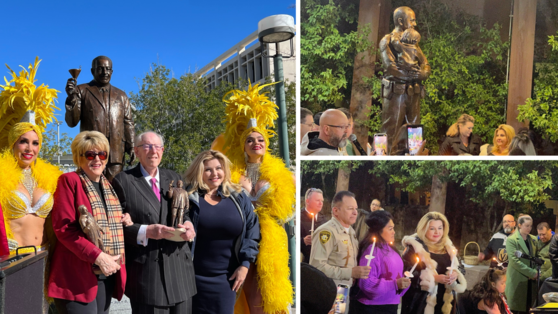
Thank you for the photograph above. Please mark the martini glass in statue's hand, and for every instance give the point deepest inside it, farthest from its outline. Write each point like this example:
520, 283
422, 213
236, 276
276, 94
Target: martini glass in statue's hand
72, 82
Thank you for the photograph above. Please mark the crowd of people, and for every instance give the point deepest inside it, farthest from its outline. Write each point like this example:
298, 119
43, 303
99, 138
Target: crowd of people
330, 137
460, 140
428, 276
138, 233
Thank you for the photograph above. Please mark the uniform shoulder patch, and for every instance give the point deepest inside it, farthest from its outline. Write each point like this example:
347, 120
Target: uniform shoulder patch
325, 236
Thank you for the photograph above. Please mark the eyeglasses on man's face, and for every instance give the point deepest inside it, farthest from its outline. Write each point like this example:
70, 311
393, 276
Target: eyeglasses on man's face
343, 127
151, 146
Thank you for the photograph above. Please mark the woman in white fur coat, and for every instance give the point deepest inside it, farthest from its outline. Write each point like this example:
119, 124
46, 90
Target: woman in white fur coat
431, 290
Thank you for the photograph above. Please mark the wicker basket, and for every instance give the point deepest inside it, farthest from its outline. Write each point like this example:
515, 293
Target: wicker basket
470, 259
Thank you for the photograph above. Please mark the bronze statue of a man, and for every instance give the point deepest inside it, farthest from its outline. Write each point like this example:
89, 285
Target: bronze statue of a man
405, 67
99, 106
180, 203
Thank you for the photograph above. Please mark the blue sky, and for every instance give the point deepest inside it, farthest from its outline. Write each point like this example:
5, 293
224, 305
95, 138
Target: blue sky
182, 35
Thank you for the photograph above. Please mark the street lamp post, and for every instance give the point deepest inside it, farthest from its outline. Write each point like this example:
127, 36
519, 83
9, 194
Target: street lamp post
58, 141
273, 30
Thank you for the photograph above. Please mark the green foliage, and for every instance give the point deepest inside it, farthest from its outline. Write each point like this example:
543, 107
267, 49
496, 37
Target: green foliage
468, 65
542, 109
328, 48
51, 149
522, 183
465, 79
189, 116
290, 101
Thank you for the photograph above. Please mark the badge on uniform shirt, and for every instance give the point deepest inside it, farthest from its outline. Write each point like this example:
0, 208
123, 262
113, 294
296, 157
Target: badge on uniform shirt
325, 236
345, 242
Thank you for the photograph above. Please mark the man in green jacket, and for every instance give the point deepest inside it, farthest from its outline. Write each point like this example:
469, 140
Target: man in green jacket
545, 235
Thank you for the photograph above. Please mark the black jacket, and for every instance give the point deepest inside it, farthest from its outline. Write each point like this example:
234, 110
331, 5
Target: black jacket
246, 245
305, 226
497, 248
161, 273
452, 146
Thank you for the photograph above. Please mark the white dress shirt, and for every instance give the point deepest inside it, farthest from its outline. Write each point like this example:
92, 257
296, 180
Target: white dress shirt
142, 233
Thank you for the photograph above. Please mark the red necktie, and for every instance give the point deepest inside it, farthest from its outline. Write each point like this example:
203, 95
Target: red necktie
155, 189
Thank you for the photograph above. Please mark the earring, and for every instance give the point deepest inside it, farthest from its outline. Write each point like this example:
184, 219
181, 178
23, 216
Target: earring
246, 158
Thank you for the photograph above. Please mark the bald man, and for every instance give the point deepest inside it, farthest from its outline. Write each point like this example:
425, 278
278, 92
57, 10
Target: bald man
497, 245
332, 135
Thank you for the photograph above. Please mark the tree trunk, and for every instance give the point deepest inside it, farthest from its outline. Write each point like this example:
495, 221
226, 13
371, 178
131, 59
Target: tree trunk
438, 195
521, 59
374, 13
343, 176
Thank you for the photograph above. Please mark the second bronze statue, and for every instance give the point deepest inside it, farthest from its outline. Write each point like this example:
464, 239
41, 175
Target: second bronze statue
180, 203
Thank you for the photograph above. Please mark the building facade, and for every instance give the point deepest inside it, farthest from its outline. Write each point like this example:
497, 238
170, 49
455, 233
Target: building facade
245, 61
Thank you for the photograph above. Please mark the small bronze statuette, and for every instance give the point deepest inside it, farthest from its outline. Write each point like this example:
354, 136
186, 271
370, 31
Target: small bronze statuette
90, 227
180, 204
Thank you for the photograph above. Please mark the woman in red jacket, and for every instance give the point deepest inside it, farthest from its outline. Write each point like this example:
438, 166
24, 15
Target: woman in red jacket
83, 277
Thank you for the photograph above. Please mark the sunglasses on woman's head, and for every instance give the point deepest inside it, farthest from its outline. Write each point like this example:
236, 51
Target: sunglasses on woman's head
90, 155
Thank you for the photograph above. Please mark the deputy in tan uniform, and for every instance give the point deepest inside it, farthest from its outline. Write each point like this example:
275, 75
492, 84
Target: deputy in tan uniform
335, 246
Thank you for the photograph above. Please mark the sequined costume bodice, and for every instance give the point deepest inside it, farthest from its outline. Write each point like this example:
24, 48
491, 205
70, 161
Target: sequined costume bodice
19, 205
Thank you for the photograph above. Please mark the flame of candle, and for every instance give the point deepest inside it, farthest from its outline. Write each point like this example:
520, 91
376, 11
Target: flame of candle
417, 259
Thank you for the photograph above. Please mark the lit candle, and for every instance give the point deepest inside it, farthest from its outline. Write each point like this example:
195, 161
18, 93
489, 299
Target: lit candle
409, 274
415, 266
312, 230
370, 256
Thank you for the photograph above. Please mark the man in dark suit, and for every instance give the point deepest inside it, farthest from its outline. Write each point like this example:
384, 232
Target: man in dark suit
160, 272
314, 200
104, 108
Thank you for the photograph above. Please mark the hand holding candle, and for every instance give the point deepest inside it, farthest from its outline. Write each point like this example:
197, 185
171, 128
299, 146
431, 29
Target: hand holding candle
409, 274
312, 229
371, 255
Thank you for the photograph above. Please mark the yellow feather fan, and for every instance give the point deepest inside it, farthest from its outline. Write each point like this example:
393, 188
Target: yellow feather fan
16, 99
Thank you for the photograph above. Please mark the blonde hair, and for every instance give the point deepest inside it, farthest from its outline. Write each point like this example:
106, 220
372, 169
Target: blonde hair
462, 120
422, 228
88, 140
523, 219
194, 174
510, 134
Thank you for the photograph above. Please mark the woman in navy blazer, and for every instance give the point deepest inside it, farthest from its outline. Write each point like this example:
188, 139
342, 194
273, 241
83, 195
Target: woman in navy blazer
227, 233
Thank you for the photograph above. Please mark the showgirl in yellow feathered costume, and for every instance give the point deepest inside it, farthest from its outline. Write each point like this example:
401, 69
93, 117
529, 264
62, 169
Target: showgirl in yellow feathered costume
28, 183
248, 116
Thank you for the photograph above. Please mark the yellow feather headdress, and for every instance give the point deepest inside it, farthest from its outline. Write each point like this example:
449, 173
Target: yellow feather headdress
246, 112
17, 99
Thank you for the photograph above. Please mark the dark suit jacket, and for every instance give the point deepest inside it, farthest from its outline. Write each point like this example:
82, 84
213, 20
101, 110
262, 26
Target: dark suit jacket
305, 226
114, 120
162, 273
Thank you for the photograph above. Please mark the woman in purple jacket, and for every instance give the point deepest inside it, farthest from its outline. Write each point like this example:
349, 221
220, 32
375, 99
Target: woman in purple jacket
381, 292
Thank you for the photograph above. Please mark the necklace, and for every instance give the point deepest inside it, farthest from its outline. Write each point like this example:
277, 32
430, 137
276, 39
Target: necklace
28, 182
253, 172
